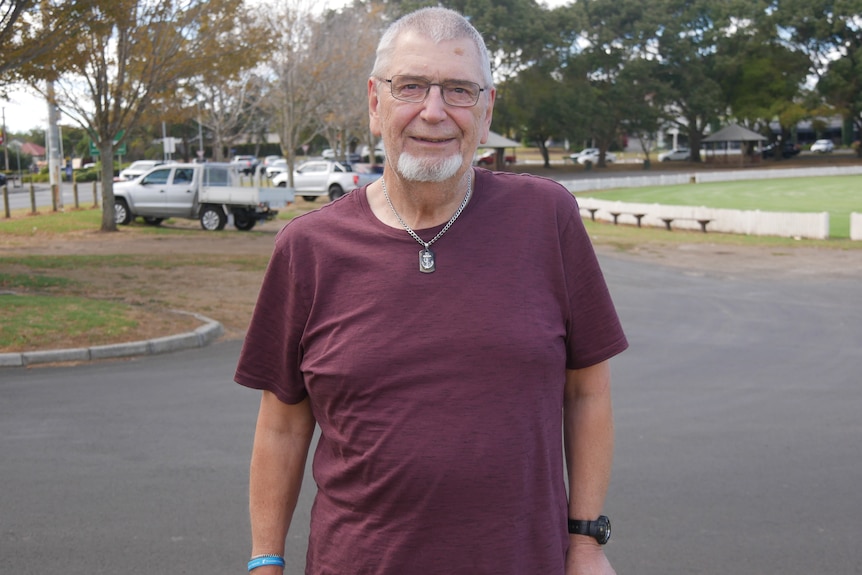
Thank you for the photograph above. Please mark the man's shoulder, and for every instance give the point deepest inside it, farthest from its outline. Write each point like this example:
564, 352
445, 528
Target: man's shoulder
538, 189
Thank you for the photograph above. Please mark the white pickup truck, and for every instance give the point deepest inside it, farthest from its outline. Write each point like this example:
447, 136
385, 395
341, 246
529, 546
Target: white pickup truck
207, 192
325, 178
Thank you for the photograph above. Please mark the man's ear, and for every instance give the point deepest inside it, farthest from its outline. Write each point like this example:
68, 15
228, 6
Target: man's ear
373, 108
489, 114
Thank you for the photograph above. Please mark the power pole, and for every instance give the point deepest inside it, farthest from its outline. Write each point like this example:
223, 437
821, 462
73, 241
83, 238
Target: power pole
5, 139
53, 137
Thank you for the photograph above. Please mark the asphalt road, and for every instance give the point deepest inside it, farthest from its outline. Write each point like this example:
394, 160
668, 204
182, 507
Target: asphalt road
739, 443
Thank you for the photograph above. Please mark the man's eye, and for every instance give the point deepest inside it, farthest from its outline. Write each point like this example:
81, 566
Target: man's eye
413, 87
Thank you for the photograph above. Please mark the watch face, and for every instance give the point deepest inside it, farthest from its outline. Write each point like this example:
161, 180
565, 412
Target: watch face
603, 531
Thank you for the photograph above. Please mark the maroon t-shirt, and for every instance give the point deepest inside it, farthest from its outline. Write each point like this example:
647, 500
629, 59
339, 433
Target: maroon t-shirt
439, 396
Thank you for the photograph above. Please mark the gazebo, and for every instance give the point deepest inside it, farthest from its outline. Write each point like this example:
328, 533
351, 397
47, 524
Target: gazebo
734, 133
499, 144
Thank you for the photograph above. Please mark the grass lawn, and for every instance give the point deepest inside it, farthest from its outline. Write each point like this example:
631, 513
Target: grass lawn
838, 195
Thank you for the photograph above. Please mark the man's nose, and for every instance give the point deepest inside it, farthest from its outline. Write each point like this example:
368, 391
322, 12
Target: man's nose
435, 106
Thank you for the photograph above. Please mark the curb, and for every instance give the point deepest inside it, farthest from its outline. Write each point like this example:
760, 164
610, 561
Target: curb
200, 337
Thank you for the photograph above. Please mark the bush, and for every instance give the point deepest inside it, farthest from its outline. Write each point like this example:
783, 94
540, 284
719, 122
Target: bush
88, 175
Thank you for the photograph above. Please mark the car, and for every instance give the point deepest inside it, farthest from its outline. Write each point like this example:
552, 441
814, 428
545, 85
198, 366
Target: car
675, 154
139, 168
245, 164
489, 157
350, 157
267, 161
2, 179
379, 153
822, 146
788, 150
592, 155
276, 167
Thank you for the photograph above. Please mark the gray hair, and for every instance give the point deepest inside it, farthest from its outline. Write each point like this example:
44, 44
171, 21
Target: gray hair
438, 24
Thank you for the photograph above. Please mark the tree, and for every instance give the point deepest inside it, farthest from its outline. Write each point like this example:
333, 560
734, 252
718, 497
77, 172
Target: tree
22, 30
685, 49
345, 43
294, 98
829, 33
531, 104
607, 39
126, 54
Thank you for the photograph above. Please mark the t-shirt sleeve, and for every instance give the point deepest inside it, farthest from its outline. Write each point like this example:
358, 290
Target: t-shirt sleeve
271, 354
593, 329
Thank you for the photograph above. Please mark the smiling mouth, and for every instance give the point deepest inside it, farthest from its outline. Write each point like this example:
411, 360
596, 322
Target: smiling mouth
433, 140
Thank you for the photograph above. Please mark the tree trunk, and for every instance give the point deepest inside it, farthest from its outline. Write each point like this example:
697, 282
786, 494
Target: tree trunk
106, 151
543, 149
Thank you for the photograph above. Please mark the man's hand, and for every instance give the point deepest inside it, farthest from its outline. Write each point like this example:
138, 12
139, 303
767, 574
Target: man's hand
586, 557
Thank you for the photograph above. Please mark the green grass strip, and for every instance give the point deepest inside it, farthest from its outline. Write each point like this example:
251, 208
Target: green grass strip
25, 319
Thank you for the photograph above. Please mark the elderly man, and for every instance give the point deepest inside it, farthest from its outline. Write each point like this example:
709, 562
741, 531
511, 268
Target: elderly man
449, 331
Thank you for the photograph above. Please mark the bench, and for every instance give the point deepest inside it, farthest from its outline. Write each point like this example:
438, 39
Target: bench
592, 212
703, 222
637, 215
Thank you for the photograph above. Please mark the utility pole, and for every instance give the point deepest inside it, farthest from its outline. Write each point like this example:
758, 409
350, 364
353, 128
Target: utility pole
5, 139
53, 137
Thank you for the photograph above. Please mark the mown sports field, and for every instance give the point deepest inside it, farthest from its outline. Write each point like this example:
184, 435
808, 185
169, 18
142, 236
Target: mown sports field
838, 195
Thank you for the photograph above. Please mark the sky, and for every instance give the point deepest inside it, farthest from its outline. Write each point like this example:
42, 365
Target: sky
26, 110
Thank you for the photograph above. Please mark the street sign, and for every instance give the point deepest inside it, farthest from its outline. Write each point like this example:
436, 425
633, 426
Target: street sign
120, 151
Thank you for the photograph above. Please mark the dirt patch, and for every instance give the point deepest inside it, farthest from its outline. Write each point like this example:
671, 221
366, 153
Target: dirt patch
723, 260
223, 276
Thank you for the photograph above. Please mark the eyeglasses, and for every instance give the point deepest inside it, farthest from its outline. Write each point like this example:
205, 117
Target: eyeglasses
458, 93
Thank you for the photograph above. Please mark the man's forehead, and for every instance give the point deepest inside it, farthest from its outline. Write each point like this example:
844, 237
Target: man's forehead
420, 55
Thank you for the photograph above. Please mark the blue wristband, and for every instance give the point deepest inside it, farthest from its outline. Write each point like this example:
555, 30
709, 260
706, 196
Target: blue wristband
262, 560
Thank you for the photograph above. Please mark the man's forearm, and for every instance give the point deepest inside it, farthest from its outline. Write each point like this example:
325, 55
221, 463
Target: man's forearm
281, 443
589, 437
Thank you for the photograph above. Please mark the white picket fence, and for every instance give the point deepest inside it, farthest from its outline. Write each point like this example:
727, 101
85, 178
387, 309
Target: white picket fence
856, 226
747, 222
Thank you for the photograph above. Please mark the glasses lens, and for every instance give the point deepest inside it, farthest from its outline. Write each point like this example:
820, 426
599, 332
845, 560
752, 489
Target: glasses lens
409, 88
415, 89
460, 93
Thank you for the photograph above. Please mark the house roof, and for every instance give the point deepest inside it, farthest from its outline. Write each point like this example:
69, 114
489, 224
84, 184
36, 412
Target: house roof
735, 133
32, 149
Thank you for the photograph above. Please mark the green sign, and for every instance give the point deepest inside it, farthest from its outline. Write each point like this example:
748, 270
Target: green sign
119, 151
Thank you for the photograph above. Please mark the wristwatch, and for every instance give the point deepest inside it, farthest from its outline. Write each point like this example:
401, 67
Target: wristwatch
600, 529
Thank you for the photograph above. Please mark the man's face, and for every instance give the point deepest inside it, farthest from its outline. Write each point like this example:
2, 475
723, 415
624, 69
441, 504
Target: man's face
430, 140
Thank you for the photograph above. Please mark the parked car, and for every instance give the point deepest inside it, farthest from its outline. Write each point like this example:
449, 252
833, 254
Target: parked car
329, 154
488, 157
788, 150
592, 155
267, 161
138, 168
276, 167
206, 192
379, 153
245, 164
675, 154
822, 146
325, 178
2, 179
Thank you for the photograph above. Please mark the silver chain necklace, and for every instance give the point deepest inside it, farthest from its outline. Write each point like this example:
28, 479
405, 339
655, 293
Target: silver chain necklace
427, 263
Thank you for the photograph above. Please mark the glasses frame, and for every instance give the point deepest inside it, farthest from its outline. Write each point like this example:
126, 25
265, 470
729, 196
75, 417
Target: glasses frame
432, 84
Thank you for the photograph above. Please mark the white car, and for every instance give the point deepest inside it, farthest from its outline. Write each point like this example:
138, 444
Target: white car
276, 167
138, 169
592, 155
822, 146
676, 154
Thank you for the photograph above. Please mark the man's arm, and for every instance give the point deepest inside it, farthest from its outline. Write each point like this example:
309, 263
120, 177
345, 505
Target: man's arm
281, 441
589, 438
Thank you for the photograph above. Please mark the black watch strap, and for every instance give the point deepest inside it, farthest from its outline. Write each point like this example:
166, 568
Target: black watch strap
600, 529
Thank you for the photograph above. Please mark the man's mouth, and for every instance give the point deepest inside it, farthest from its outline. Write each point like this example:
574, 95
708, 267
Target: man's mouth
432, 140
